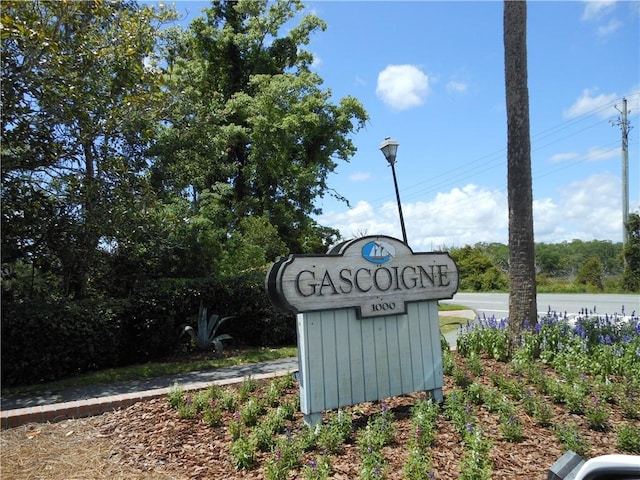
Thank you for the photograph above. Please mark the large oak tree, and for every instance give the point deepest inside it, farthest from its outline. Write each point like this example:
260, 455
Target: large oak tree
79, 104
250, 120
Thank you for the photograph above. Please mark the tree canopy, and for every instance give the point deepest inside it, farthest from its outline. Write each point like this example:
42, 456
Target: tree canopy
134, 147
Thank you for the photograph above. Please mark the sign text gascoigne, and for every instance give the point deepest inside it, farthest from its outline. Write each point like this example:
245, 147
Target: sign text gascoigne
376, 275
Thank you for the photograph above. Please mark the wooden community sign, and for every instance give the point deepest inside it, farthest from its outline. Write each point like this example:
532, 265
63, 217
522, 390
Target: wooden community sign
376, 275
367, 320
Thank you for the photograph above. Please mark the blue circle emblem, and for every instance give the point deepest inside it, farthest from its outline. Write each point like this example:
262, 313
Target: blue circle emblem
378, 252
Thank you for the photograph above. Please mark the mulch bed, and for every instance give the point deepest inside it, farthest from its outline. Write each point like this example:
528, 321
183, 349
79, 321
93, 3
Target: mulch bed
151, 436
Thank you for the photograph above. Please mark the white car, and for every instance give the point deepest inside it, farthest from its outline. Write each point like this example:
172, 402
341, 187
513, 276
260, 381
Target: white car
610, 467
572, 466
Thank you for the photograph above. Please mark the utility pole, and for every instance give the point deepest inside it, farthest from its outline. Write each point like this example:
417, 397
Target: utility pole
624, 127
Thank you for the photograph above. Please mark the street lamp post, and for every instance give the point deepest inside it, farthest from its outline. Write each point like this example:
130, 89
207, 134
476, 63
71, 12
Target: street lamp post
389, 148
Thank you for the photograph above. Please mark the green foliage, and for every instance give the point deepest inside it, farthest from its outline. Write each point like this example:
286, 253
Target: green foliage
286, 457
458, 410
631, 275
628, 437
418, 465
423, 420
252, 245
79, 100
373, 465
175, 396
485, 336
597, 414
250, 411
511, 428
45, 340
251, 115
477, 271
318, 468
330, 436
570, 437
590, 274
476, 463
244, 453
379, 431
205, 336
484, 267
257, 322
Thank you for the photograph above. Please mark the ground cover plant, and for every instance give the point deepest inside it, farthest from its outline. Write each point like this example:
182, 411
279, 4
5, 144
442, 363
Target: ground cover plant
574, 384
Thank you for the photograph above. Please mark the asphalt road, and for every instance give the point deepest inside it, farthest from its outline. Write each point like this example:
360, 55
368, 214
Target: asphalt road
498, 303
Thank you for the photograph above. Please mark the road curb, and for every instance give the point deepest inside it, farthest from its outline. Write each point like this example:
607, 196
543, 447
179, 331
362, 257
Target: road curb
57, 412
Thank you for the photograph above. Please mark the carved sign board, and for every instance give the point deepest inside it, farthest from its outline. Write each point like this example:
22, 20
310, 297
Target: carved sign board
377, 275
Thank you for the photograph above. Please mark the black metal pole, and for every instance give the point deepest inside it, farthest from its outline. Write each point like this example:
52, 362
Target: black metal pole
395, 183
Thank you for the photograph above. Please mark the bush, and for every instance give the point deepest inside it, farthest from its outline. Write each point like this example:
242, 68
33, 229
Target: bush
156, 309
45, 340
48, 340
257, 322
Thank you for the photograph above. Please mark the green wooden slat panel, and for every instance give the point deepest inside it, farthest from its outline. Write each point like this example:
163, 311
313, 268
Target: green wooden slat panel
346, 360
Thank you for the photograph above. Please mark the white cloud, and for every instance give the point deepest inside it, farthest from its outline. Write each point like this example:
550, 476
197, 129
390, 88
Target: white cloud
456, 87
360, 176
462, 216
594, 154
596, 9
402, 86
602, 104
563, 157
598, 154
609, 28
586, 209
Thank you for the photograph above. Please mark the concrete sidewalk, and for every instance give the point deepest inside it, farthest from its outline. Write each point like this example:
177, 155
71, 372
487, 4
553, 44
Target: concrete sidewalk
92, 400
16, 410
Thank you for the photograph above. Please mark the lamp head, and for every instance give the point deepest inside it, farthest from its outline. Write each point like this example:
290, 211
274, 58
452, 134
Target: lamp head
389, 148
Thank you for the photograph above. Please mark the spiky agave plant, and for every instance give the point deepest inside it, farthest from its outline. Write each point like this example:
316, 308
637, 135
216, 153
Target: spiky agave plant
205, 336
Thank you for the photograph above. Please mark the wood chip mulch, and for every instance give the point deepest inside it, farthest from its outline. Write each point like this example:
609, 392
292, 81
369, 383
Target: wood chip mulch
151, 435
150, 438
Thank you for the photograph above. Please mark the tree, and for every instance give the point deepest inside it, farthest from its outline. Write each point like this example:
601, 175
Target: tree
78, 88
251, 115
522, 279
477, 271
590, 274
631, 275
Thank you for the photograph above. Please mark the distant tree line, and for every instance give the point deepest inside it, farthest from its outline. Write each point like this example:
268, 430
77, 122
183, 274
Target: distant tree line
576, 266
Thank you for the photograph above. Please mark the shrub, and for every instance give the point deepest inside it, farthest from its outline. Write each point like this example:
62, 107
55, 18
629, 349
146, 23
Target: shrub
257, 322
45, 340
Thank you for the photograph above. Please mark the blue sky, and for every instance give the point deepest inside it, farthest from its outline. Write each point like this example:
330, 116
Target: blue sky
431, 75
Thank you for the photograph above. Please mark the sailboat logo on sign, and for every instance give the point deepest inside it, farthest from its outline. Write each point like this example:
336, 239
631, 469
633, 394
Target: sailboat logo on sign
378, 252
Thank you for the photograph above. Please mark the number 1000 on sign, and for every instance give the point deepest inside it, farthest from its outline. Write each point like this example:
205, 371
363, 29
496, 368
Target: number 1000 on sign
383, 307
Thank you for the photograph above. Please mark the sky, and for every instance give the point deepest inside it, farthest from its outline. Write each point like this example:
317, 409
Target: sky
430, 74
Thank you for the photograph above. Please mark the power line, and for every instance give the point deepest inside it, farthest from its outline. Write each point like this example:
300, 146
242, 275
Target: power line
497, 159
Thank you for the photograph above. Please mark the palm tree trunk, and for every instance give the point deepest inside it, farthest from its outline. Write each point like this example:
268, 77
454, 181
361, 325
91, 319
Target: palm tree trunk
522, 281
